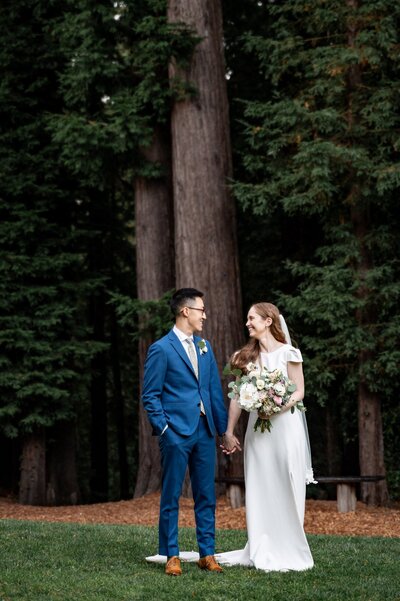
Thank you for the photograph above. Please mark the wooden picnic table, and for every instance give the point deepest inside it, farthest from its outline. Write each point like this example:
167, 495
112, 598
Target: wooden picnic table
345, 487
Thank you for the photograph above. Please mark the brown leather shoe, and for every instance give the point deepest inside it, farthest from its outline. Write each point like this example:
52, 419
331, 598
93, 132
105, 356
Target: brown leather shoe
173, 566
208, 563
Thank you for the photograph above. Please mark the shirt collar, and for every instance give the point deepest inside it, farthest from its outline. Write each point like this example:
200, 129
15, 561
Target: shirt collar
181, 335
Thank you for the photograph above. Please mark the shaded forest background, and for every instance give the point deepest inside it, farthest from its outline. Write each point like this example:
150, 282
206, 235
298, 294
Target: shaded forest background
145, 148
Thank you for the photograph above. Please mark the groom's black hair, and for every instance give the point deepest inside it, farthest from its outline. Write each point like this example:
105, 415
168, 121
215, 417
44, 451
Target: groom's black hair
181, 297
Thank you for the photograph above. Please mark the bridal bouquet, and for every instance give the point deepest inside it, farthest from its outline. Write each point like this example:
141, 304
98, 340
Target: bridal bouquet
258, 389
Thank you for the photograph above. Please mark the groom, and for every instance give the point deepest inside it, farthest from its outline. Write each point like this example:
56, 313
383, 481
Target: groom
183, 398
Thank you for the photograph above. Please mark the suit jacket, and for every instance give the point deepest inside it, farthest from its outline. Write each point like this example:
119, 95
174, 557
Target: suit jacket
172, 393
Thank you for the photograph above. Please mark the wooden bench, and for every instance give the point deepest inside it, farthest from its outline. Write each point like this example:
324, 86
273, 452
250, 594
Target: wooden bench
345, 487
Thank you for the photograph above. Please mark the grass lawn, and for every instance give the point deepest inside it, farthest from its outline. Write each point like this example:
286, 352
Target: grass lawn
72, 562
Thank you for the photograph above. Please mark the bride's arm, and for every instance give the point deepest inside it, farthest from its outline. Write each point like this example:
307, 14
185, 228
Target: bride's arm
295, 374
230, 443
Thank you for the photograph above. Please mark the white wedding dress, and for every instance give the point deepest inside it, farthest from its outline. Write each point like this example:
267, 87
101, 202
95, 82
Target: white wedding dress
275, 477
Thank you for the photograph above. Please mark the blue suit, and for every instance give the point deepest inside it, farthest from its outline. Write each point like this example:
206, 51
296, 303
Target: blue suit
171, 396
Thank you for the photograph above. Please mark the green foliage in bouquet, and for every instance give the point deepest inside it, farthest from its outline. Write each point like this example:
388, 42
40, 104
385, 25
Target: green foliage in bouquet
261, 390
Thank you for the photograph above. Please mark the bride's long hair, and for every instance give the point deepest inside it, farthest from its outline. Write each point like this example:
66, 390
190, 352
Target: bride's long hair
250, 351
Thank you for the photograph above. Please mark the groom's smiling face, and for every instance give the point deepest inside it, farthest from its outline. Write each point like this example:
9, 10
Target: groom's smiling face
196, 314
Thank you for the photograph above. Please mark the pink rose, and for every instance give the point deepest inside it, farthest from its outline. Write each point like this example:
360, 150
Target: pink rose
277, 400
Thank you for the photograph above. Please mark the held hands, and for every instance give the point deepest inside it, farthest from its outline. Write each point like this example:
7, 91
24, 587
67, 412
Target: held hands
230, 444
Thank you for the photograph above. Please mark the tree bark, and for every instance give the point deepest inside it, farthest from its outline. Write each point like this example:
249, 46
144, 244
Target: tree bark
371, 450
32, 485
155, 276
370, 429
205, 227
62, 481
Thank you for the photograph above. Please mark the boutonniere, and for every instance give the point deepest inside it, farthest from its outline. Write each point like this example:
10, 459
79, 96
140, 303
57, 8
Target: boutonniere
202, 346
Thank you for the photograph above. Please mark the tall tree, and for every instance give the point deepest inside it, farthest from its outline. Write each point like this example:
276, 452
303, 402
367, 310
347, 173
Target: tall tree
205, 228
325, 148
155, 276
153, 45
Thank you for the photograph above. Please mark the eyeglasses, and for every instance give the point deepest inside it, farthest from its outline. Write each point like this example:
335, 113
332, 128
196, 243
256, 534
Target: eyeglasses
198, 309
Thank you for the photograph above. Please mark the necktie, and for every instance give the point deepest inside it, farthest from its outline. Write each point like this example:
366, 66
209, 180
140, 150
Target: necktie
193, 360
193, 356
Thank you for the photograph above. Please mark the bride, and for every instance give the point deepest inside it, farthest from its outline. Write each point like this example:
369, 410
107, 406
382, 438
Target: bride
277, 463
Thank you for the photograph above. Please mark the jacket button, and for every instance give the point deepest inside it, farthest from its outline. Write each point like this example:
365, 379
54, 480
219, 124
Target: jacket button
198, 404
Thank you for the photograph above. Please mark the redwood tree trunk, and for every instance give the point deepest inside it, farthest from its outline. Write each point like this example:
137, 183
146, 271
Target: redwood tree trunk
155, 276
371, 446
32, 485
370, 431
205, 227
62, 477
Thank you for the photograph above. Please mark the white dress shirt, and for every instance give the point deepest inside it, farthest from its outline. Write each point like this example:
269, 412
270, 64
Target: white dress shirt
183, 337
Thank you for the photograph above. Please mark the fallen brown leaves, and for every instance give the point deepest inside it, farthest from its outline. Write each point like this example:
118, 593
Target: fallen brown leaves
321, 517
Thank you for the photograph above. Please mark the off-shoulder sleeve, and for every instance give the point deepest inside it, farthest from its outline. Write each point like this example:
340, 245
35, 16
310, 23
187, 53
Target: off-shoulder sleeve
293, 354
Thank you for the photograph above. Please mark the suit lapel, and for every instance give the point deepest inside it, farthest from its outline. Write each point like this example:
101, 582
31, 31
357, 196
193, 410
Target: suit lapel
177, 344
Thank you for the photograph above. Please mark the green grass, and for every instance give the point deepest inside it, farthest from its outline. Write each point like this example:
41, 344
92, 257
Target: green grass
72, 562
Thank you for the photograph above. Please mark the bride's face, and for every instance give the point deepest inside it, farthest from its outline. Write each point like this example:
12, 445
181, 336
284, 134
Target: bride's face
256, 324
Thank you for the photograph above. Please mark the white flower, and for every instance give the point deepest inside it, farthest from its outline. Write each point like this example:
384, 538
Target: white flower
248, 397
279, 389
251, 366
260, 384
253, 370
202, 346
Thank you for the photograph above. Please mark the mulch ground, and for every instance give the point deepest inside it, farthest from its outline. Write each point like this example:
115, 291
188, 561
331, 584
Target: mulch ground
321, 517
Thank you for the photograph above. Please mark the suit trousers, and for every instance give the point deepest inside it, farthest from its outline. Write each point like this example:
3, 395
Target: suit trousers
177, 453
